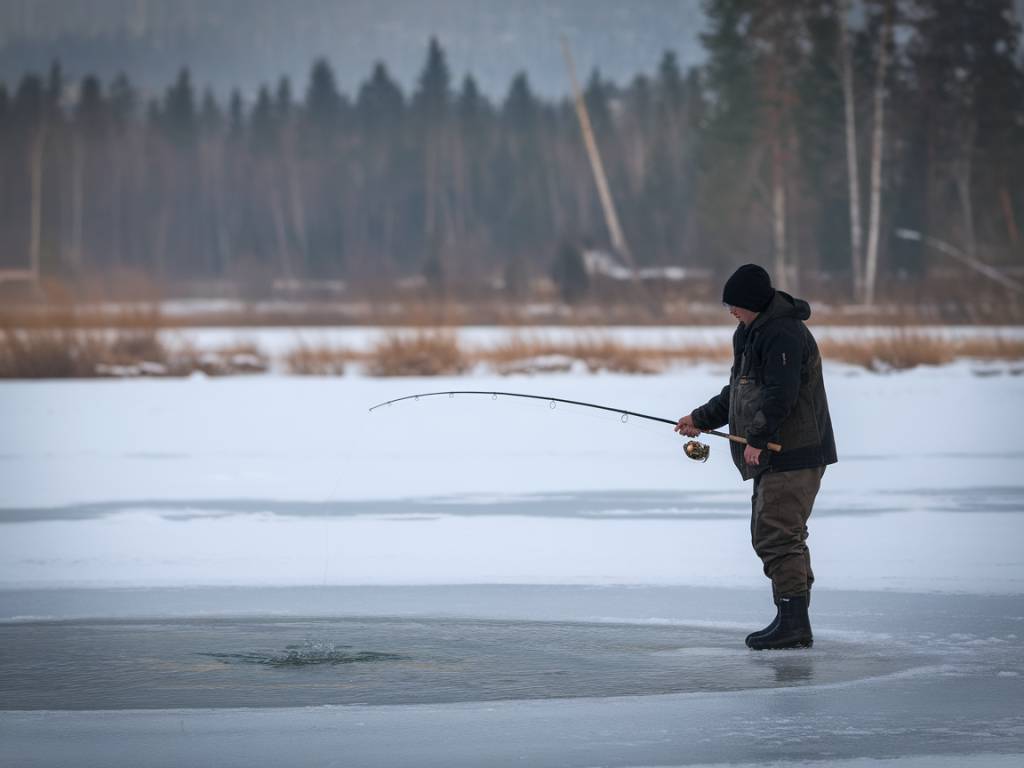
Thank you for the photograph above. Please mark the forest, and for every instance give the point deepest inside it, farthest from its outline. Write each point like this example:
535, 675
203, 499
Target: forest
862, 150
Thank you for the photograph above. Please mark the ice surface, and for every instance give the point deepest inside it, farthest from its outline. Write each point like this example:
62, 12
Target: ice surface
162, 543
217, 662
893, 676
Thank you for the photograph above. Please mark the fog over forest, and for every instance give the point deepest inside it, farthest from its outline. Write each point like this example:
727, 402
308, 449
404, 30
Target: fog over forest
855, 148
242, 43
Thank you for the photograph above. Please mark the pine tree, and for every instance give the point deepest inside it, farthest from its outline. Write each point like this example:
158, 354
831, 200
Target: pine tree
236, 116
211, 119
729, 159
433, 92
471, 105
263, 123
520, 111
179, 111
91, 110
123, 100
597, 96
969, 108
283, 103
380, 104
324, 104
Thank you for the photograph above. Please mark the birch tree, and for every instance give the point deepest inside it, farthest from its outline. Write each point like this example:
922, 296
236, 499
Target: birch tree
852, 165
877, 142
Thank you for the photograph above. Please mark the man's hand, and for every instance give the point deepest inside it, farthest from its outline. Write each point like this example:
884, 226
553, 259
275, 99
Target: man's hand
686, 427
752, 455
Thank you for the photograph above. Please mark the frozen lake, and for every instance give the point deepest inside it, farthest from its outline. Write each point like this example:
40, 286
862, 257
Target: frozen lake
276, 662
497, 675
257, 571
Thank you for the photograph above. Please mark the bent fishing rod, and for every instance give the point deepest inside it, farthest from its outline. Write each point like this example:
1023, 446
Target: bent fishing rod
693, 449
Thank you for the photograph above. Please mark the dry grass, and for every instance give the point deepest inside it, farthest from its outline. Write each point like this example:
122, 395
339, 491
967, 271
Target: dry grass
230, 359
60, 338
69, 353
907, 349
991, 349
312, 360
522, 354
897, 352
425, 353
145, 351
38, 353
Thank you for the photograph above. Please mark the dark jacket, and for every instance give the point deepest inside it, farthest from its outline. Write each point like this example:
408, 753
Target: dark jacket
775, 393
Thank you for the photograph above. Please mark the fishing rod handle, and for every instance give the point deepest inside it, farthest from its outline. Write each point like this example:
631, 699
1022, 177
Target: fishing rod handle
742, 440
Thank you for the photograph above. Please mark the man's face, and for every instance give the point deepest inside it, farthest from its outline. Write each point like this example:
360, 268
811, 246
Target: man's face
745, 316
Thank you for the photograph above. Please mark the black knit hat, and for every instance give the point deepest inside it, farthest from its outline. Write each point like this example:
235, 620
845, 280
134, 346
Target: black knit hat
749, 288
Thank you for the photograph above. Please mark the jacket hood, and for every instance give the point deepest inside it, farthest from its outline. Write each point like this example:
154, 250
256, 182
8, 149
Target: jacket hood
783, 305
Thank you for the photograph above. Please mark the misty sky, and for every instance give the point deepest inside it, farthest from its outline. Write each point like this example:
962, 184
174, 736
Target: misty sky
247, 42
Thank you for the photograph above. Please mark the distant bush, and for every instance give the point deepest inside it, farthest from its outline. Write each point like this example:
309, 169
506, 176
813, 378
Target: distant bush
424, 353
527, 355
904, 349
58, 353
237, 358
309, 360
40, 353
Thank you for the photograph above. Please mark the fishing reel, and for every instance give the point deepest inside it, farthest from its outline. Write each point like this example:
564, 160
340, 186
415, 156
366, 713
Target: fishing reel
697, 451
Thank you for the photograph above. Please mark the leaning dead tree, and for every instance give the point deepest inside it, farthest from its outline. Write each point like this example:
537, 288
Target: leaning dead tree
607, 204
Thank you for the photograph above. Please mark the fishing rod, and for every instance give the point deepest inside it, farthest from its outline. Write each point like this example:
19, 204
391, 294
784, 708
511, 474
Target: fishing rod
693, 449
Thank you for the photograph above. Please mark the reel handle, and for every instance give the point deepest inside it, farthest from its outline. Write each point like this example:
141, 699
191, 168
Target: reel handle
775, 447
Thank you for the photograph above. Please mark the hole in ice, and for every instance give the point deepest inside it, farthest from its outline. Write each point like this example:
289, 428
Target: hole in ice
306, 655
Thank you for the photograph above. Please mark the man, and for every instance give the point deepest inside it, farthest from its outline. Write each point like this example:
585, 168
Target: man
775, 394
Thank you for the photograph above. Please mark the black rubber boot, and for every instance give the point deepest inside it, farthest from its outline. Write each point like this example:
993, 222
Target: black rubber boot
792, 631
770, 628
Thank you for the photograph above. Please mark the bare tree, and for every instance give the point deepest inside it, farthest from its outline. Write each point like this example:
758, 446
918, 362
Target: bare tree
874, 223
962, 170
36, 200
852, 166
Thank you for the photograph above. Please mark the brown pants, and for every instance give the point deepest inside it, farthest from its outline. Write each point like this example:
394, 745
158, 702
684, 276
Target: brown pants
782, 502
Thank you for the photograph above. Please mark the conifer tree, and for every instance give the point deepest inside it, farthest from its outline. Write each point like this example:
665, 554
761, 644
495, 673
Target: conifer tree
179, 111
324, 104
380, 104
433, 91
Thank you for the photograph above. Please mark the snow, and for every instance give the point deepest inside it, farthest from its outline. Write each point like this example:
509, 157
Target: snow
209, 481
277, 341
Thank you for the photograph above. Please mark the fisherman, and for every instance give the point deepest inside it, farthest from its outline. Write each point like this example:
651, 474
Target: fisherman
775, 394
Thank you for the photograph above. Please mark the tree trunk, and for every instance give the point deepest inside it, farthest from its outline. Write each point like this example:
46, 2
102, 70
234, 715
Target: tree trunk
297, 208
962, 175
280, 233
874, 222
597, 167
36, 201
852, 167
77, 203
779, 215
1006, 201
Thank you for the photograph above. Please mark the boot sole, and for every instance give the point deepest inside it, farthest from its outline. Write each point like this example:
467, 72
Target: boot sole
796, 645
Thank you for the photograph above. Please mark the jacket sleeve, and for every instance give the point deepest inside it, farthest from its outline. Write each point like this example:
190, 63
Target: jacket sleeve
714, 413
780, 386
